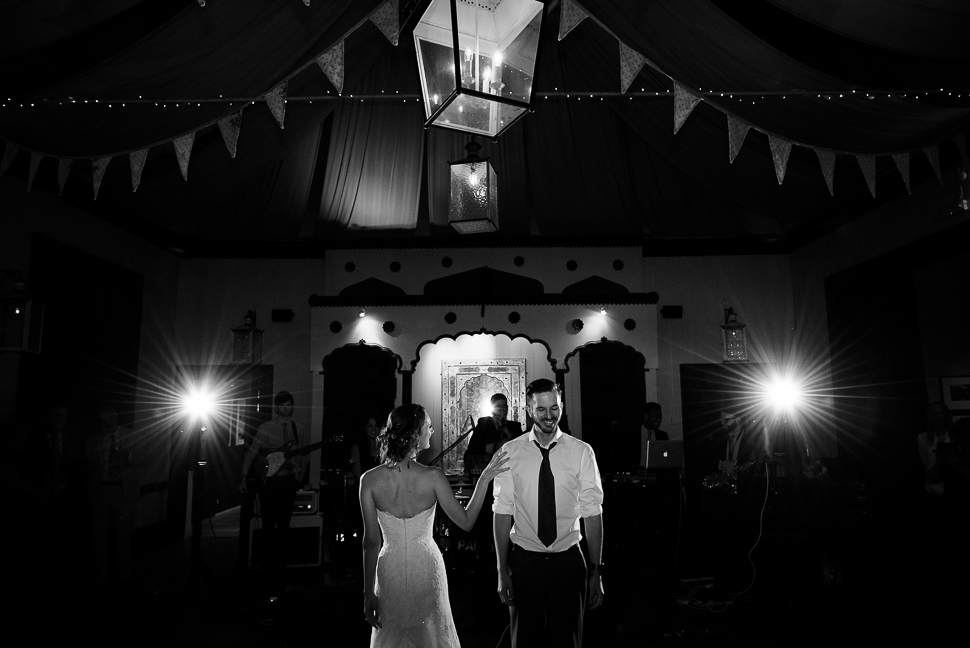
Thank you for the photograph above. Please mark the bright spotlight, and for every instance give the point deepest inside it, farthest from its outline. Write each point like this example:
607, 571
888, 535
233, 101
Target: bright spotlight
783, 394
198, 403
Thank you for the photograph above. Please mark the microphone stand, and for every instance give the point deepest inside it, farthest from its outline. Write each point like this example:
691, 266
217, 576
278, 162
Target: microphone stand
471, 428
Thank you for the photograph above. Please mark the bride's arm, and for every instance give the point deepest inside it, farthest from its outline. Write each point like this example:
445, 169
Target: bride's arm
466, 517
371, 544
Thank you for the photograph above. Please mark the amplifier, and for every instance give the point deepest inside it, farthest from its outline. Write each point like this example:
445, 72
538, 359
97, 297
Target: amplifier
306, 502
648, 477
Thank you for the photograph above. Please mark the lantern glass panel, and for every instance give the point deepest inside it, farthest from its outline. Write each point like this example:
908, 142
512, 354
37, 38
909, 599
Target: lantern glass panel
489, 85
474, 197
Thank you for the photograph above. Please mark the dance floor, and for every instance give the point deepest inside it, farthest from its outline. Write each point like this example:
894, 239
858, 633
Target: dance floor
220, 603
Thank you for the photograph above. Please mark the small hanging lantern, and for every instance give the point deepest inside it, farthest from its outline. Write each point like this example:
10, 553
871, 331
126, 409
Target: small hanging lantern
732, 337
247, 342
473, 207
21, 318
477, 60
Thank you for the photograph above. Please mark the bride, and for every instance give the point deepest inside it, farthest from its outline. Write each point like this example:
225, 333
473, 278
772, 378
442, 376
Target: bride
405, 585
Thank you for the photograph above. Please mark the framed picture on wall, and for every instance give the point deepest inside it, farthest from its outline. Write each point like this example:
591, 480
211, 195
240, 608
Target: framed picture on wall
956, 392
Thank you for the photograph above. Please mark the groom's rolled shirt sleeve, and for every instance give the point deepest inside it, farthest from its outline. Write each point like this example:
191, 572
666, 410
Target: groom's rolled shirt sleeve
591, 485
503, 492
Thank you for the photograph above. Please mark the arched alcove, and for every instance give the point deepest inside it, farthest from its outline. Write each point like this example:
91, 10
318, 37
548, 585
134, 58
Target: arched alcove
485, 283
595, 285
372, 287
612, 388
360, 381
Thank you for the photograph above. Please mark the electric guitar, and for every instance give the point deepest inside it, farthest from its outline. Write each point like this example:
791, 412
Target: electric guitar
269, 463
726, 480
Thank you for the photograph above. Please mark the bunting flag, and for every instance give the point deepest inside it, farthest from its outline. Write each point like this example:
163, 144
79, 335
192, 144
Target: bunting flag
902, 163
933, 155
98, 166
137, 161
35, 159
962, 145
183, 151
827, 160
780, 150
9, 153
684, 103
64, 166
229, 126
737, 130
868, 165
276, 100
570, 15
630, 63
331, 63
387, 19
306, 2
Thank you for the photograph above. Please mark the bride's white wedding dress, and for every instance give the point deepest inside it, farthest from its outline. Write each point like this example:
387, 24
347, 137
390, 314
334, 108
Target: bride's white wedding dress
412, 587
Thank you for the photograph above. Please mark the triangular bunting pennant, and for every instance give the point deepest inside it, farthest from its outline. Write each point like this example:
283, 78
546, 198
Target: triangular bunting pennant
630, 63
902, 163
868, 165
780, 150
827, 160
35, 159
229, 126
962, 145
276, 100
306, 2
684, 103
64, 166
183, 151
332, 64
9, 153
97, 172
737, 130
387, 19
570, 15
933, 155
137, 161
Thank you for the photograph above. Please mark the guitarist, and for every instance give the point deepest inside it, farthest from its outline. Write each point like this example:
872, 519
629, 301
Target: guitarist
277, 494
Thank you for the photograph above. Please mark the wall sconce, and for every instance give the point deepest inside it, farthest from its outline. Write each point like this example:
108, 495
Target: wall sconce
361, 312
21, 318
247, 342
477, 63
473, 207
732, 337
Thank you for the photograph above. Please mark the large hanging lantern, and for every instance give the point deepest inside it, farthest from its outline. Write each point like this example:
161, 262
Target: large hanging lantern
473, 208
732, 337
247, 342
477, 60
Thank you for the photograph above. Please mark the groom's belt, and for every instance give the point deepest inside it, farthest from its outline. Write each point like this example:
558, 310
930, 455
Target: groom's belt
546, 554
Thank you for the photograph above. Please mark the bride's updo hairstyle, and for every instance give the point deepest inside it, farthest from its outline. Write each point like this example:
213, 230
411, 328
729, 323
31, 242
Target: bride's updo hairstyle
398, 441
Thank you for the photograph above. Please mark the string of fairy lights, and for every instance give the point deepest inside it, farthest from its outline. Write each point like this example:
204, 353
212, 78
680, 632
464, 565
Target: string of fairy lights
744, 96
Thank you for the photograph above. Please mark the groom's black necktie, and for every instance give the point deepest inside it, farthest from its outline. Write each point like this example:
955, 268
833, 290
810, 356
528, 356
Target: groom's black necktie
547, 498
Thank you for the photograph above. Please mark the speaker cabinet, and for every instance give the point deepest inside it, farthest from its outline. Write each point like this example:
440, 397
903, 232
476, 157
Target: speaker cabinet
303, 545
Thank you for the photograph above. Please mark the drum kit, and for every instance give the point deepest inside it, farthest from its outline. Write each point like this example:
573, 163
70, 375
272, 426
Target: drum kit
459, 547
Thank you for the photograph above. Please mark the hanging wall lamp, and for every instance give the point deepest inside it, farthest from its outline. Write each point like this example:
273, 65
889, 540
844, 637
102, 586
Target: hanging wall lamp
247, 341
477, 62
732, 337
21, 318
473, 206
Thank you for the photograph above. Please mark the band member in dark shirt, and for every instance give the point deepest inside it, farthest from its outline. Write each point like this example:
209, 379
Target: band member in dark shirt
490, 433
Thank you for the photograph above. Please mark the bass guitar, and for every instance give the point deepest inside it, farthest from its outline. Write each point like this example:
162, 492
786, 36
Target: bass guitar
268, 464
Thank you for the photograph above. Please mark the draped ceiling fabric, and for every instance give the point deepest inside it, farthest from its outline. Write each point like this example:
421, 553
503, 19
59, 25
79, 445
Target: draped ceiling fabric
580, 166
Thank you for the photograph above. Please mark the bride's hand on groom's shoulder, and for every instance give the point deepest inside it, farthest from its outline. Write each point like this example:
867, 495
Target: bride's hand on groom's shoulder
370, 610
496, 465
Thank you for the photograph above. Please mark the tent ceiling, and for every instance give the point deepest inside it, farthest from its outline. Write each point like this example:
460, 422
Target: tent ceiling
348, 170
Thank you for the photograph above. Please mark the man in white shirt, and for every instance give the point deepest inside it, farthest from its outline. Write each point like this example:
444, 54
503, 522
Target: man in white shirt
552, 482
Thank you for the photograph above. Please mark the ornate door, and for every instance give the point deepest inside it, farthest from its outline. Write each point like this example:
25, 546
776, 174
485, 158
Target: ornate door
466, 390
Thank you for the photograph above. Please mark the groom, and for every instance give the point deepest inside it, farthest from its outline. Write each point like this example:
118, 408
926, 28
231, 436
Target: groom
552, 481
